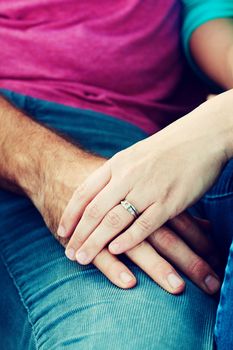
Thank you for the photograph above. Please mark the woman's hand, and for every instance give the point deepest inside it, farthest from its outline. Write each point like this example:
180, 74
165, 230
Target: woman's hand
160, 176
164, 245
61, 182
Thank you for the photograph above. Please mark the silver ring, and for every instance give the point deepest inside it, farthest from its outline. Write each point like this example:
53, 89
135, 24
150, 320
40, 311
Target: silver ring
130, 208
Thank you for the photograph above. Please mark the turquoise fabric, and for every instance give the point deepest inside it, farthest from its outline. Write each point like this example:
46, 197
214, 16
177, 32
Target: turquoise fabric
198, 12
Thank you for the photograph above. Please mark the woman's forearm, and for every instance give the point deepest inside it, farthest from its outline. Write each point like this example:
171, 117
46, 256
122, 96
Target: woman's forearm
210, 123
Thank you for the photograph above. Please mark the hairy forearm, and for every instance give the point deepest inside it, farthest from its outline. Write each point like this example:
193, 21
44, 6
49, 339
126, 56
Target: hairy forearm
30, 154
16, 132
212, 48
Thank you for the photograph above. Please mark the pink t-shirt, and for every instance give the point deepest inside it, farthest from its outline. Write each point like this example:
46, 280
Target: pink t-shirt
119, 57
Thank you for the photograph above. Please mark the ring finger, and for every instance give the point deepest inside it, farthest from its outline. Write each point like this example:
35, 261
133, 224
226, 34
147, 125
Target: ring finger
112, 224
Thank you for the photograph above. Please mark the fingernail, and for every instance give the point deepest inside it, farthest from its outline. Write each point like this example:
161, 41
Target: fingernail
125, 277
61, 231
70, 253
114, 247
82, 257
174, 281
212, 283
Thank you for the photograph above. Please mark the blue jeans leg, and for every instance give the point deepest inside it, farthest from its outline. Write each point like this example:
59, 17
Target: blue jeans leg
48, 302
217, 206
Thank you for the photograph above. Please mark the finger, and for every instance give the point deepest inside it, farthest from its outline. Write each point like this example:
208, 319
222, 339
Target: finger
114, 270
195, 236
151, 219
188, 228
156, 267
95, 213
80, 198
166, 242
113, 223
203, 223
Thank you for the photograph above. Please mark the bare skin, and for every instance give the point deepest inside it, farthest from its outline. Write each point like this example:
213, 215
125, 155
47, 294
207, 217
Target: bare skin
212, 48
161, 176
49, 179
208, 138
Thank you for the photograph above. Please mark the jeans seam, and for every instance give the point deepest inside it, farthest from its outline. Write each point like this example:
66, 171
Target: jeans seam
217, 196
219, 318
22, 300
222, 302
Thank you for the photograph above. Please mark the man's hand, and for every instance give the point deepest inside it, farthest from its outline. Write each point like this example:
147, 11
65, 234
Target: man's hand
47, 168
167, 243
60, 181
42, 165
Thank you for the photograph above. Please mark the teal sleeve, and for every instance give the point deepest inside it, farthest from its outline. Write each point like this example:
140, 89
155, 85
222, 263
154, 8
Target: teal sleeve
198, 12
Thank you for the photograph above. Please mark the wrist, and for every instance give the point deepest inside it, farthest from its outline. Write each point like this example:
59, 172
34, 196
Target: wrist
62, 172
224, 120
59, 171
37, 162
211, 126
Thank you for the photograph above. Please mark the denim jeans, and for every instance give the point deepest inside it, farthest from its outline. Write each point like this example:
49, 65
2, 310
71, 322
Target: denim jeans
217, 206
48, 302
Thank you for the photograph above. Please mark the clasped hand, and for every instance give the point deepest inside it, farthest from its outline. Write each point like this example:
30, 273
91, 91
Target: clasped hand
161, 176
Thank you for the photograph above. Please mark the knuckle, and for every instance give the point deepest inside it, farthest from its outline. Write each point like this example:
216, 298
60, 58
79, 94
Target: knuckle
160, 267
77, 240
180, 222
185, 224
69, 216
137, 250
95, 245
159, 270
69, 219
197, 268
175, 208
144, 224
80, 192
166, 194
164, 238
92, 211
114, 267
140, 246
102, 259
112, 219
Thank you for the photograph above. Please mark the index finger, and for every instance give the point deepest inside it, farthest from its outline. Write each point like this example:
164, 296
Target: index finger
80, 199
114, 269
